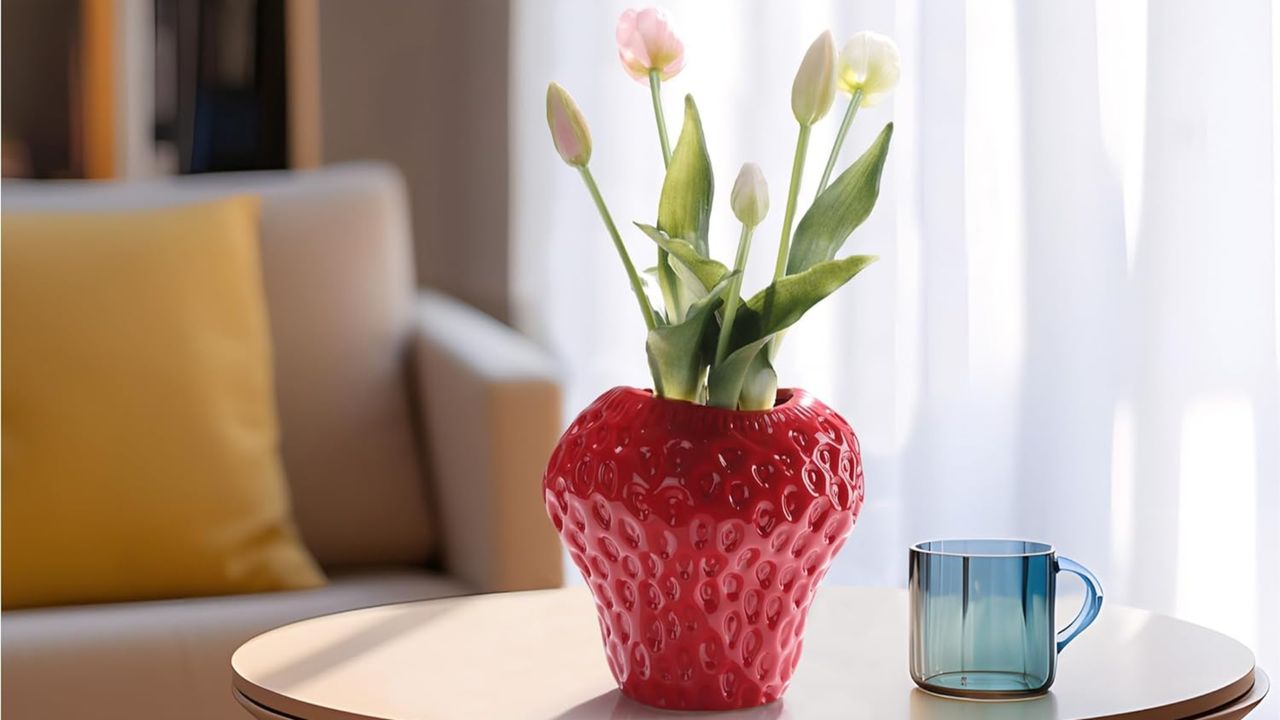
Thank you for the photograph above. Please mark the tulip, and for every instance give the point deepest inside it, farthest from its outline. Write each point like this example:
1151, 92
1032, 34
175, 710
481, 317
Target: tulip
869, 70
814, 87
651, 52
812, 93
869, 63
573, 141
750, 203
869, 67
646, 43
569, 129
750, 196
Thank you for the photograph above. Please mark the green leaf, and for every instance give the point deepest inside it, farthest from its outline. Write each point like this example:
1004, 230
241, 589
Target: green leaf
649, 282
669, 285
726, 379
708, 272
760, 387
780, 305
840, 209
677, 352
745, 378
684, 208
690, 286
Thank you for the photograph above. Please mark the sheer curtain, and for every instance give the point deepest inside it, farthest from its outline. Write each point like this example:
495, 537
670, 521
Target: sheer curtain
1072, 331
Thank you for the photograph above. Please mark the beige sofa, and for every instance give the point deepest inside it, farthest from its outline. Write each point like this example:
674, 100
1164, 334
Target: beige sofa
414, 432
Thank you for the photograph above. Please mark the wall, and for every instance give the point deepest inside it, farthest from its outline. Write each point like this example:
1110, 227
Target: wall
424, 85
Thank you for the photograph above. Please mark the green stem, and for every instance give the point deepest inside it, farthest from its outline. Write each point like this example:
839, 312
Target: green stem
655, 91
735, 287
797, 168
849, 112
636, 285
664, 270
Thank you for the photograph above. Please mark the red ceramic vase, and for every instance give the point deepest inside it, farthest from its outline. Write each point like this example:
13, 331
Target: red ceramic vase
703, 534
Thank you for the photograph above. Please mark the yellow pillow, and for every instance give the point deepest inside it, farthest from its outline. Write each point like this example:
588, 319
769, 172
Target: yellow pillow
141, 453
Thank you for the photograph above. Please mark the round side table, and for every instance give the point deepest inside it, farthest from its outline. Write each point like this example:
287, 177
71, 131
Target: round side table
538, 655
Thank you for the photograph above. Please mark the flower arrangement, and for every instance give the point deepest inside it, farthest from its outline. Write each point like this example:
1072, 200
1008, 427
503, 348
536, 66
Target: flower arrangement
704, 515
706, 344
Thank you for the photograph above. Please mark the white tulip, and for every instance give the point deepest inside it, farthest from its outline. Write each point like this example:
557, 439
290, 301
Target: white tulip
750, 196
869, 62
814, 88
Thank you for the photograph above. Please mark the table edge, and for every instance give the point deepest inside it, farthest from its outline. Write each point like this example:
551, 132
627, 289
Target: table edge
286, 707
1203, 705
292, 708
262, 712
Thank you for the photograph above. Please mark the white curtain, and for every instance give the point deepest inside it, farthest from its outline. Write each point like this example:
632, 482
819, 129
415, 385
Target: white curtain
1072, 332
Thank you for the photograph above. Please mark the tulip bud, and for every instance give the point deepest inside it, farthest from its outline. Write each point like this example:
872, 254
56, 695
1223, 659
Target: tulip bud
814, 87
750, 196
869, 62
646, 42
568, 128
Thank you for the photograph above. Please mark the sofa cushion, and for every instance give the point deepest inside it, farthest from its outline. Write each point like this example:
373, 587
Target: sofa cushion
89, 662
338, 269
141, 455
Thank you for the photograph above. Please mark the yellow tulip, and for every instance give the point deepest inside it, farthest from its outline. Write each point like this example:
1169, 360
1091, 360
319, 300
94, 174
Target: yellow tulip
869, 62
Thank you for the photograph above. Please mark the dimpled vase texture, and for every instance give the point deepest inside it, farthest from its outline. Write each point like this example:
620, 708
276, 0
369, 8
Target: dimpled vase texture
703, 534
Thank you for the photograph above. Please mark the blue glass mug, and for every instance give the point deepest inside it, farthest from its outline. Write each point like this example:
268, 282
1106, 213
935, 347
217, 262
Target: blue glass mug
982, 616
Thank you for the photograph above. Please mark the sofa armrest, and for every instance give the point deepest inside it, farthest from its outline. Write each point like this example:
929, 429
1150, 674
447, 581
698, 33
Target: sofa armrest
489, 406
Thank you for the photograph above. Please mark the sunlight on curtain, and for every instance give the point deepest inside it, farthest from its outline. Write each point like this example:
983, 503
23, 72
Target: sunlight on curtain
1072, 333
993, 198
1122, 49
1217, 543
1122, 501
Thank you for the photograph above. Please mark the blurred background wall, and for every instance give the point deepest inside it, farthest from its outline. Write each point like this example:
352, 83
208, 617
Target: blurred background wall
127, 89
424, 85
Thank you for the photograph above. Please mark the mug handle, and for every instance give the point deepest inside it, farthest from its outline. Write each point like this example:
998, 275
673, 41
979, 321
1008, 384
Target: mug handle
1092, 601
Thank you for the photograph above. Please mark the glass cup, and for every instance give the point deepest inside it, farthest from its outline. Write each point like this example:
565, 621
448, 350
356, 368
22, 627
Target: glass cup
982, 616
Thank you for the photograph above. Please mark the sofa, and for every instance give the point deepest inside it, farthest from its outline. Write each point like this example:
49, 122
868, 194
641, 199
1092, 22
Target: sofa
414, 430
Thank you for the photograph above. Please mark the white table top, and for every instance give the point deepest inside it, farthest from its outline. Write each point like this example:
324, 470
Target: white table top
538, 655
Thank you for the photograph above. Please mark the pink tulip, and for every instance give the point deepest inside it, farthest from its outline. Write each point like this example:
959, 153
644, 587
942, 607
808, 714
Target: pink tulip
646, 42
568, 128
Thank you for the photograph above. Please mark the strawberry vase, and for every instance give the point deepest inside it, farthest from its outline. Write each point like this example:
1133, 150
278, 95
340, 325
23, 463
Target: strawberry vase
703, 534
